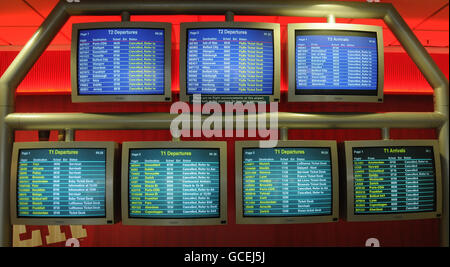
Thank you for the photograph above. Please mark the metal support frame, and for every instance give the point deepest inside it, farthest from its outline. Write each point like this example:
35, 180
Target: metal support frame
229, 16
10, 121
331, 18
125, 16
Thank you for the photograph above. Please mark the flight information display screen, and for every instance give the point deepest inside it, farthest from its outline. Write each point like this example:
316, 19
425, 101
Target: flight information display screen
174, 183
120, 61
230, 61
336, 62
60, 182
287, 181
394, 179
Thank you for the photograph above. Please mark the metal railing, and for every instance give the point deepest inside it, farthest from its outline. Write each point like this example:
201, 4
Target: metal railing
10, 121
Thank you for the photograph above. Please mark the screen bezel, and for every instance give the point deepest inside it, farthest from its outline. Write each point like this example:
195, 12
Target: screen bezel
333, 217
221, 220
349, 209
165, 97
184, 27
109, 184
293, 97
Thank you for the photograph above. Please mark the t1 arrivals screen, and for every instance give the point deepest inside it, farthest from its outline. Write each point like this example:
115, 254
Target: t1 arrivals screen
121, 61
174, 183
394, 179
287, 181
230, 61
60, 182
336, 62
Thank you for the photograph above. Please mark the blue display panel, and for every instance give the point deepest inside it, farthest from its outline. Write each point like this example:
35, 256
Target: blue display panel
394, 179
336, 62
286, 182
230, 61
61, 182
174, 183
121, 62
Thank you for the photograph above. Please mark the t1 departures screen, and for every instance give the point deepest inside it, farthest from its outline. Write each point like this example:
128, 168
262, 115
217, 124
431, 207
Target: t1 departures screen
60, 182
336, 62
394, 179
120, 61
287, 182
174, 183
230, 61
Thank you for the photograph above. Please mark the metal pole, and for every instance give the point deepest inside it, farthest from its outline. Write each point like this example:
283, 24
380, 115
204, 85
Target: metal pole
125, 16
385, 133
